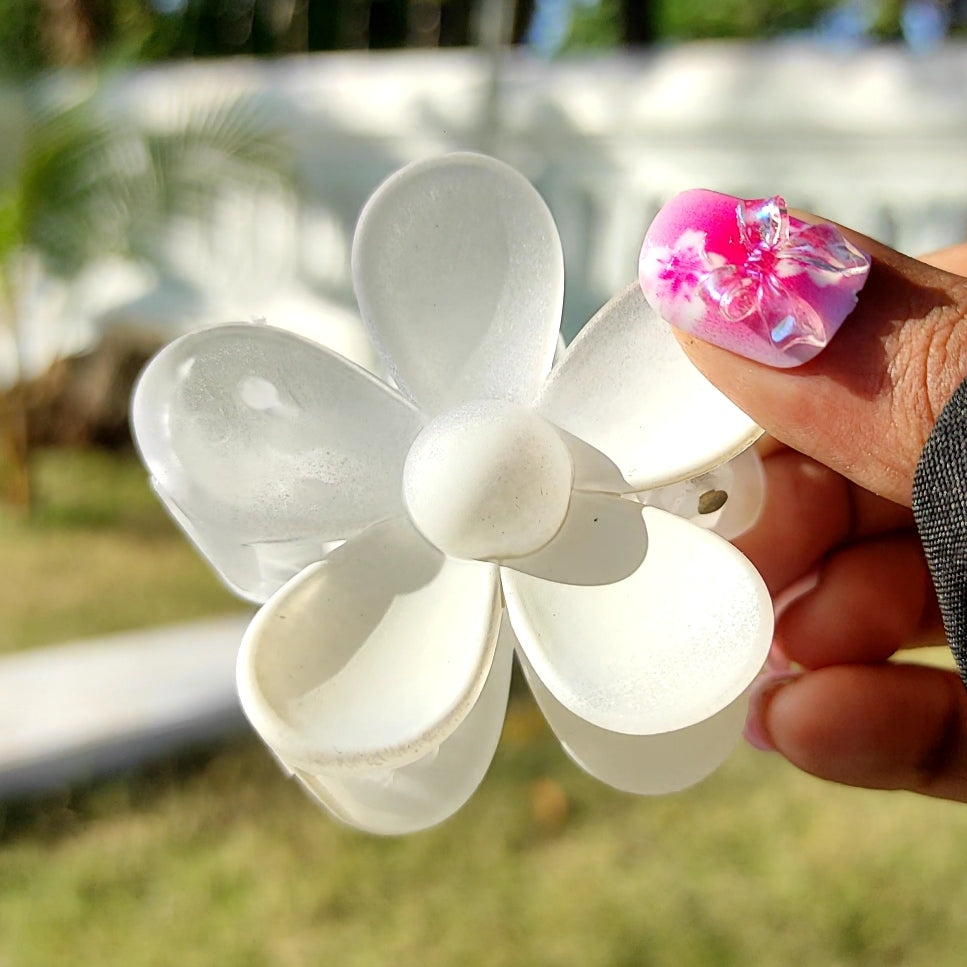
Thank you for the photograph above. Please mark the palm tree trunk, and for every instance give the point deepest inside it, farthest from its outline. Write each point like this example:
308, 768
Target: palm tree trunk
18, 479
15, 448
75, 30
637, 23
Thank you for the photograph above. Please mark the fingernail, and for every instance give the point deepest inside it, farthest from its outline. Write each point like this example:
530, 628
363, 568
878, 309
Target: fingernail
745, 276
791, 594
763, 690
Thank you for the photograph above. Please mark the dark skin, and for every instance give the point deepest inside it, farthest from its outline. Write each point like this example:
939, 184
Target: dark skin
844, 435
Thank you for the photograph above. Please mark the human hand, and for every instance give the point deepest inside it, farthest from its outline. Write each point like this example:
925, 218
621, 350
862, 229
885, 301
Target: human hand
846, 430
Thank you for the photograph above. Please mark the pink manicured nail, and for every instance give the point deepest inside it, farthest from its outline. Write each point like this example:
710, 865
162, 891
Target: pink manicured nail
745, 276
763, 689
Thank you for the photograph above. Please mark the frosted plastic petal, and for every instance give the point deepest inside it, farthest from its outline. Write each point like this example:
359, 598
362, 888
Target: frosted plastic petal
747, 497
627, 388
664, 649
593, 470
430, 790
269, 446
602, 540
727, 500
459, 273
373, 657
253, 571
649, 765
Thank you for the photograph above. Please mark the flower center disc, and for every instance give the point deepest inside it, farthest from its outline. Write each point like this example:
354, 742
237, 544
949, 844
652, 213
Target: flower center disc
488, 480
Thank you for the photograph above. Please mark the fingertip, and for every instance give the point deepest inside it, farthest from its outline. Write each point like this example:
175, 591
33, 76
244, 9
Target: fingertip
865, 404
888, 726
869, 601
757, 731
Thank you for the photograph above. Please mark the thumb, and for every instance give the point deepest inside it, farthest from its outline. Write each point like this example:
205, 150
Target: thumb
756, 295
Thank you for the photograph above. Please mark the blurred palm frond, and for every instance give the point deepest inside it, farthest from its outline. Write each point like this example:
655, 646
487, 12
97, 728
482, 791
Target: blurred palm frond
92, 182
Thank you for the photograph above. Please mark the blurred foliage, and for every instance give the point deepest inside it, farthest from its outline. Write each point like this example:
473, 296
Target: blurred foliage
595, 27
606, 24
67, 198
39, 34
21, 49
86, 182
612, 22
98, 555
736, 18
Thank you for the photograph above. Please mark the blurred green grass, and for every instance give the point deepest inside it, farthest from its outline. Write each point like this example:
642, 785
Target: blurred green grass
214, 860
98, 555
217, 860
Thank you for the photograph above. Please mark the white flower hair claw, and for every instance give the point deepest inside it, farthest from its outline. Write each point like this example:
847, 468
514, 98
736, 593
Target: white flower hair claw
485, 505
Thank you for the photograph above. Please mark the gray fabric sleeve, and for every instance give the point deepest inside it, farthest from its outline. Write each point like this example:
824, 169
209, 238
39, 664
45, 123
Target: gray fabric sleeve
940, 510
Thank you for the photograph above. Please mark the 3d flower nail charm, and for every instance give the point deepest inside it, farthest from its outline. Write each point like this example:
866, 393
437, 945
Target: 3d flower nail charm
407, 539
746, 276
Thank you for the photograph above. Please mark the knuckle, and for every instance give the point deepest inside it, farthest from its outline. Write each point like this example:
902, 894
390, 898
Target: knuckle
929, 363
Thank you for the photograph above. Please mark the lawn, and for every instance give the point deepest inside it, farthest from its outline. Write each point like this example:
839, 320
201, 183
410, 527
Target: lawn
98, 555
214, 860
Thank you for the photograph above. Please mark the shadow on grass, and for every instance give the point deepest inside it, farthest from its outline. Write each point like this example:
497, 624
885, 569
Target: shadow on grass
242, 774
60, 814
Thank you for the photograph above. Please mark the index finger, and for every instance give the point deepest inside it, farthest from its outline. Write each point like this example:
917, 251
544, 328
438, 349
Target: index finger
951, 259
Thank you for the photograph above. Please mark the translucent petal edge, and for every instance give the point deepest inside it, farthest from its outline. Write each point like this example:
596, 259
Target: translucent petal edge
411, 798
643, 765
278, 735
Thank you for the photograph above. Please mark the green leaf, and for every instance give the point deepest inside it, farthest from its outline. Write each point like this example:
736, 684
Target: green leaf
92, 182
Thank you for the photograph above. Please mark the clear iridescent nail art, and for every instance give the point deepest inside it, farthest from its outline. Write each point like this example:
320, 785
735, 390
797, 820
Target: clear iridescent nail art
745, 276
